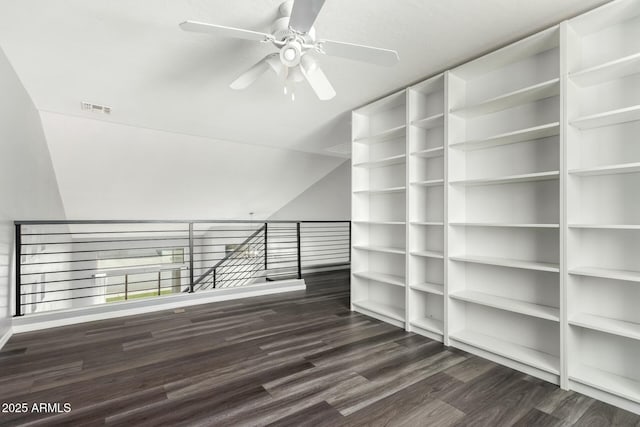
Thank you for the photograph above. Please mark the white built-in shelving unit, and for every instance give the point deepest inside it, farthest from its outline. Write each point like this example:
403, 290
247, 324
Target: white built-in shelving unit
426, 119
496, 206
603, 202
504, 181
379, 159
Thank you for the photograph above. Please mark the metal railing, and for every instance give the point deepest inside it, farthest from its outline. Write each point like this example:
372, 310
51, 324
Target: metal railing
239, 266
70, 264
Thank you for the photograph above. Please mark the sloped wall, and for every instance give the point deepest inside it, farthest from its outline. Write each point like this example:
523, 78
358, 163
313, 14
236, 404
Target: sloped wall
114, 171
28, 187
327, 199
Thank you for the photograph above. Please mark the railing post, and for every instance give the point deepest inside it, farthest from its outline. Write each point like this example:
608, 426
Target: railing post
299, 257
159, 283
18, 270
190, 257
214, 277
265, 245
349, 242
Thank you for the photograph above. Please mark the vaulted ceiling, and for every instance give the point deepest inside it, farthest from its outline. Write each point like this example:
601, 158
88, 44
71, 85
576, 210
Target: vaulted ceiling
131, 55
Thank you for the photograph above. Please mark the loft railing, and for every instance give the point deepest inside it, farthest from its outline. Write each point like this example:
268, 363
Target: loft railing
69, 264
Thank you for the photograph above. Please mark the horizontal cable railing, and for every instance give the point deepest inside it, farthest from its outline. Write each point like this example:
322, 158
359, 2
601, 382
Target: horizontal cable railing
246, 258
69, 264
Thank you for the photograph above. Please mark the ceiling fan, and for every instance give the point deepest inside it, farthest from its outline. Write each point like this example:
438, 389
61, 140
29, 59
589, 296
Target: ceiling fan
294, 36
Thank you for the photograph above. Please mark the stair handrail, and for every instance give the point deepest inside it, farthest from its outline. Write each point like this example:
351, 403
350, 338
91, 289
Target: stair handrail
229, 255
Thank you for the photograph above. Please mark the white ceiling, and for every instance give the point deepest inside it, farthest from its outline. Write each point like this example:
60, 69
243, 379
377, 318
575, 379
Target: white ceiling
131, 55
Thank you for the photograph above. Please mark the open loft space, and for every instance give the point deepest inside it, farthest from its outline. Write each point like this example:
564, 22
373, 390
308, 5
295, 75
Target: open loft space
319, 213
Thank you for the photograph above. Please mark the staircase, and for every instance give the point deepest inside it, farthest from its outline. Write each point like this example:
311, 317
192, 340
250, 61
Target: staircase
246, 264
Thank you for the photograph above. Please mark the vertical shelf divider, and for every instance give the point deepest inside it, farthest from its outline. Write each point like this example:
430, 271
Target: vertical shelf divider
407, 225
564, 325
446, 142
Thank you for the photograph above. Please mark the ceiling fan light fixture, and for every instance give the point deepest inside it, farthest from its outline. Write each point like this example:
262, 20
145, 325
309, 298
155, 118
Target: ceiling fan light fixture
290, 53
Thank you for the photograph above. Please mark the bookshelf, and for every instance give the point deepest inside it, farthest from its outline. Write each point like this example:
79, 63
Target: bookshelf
427, 216
603, 210
379, 165
496, 208
504, 260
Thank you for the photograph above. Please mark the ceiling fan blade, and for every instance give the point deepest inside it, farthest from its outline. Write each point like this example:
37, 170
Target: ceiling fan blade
357, 52
304, 14
317, 79
276, 65
222, 31
252, 74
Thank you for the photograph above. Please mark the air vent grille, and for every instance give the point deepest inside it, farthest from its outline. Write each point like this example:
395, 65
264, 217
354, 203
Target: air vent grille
96, 108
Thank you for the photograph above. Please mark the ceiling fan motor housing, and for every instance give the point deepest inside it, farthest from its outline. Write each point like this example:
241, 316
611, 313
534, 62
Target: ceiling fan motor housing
281, 31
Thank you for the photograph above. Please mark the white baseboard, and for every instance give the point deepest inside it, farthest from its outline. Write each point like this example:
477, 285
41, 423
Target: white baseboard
5, 337
39, 321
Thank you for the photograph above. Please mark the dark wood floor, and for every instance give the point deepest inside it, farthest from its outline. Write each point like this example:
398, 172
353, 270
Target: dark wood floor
289, 360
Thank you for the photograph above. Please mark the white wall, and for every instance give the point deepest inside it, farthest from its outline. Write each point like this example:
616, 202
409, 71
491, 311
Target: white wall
114, 171
327, 199
28, 186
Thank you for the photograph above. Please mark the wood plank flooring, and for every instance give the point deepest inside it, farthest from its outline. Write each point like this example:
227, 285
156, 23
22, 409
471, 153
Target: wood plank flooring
297, 359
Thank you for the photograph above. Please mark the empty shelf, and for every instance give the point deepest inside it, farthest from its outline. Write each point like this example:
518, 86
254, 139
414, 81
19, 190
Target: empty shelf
528, 47
431, 122
381, 190
512, 179
430, 152
519, 97
516, 352
429, 183
428, 254
508, 304
384, 249
428, 324
608, 170
607, 226
381, 277
507, 262
387, 161
391, 311
608, 118
502, 224
428, 223
432, 288
606, 381
523, 135
607, 273
386, 135
608, 71
605, 324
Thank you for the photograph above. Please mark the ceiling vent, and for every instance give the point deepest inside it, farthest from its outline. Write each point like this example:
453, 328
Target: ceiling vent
87, 106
